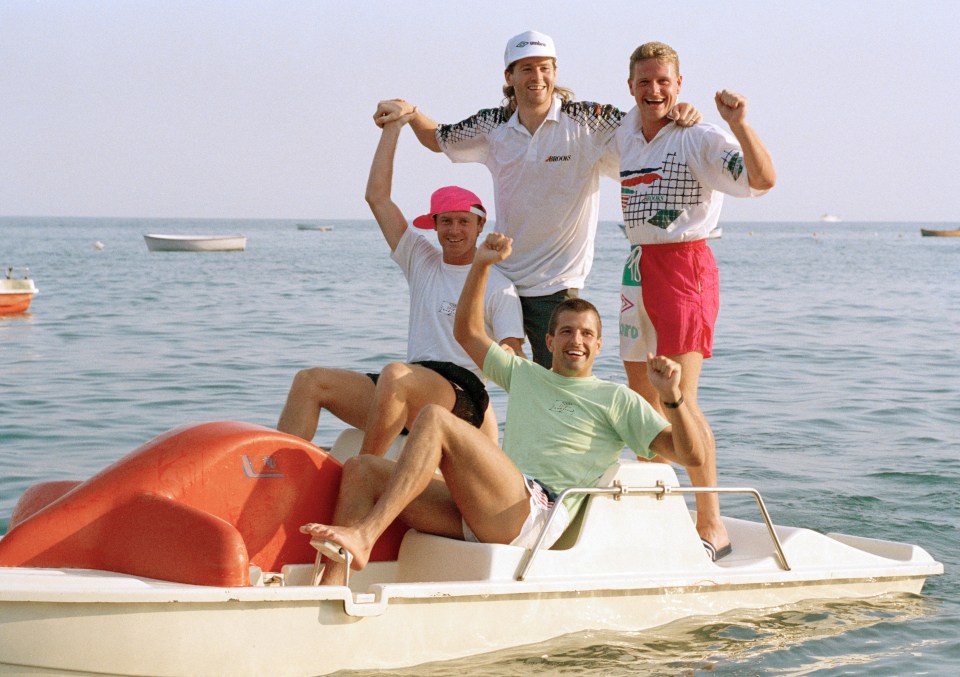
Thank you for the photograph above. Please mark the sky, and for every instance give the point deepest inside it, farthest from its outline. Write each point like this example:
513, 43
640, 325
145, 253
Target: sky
262, 109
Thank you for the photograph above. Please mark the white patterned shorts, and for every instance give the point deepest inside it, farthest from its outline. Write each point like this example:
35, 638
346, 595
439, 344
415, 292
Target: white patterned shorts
540, 507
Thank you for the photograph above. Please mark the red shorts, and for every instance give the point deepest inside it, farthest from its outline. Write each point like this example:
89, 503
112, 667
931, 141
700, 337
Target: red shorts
681, 299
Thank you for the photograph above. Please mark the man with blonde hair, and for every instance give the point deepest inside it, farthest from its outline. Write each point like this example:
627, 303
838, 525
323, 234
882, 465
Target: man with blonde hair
672, 184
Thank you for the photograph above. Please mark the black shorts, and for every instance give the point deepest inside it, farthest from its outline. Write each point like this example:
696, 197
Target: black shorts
471, 395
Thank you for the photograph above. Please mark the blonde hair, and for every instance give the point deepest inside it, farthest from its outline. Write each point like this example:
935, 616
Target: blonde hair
655, 50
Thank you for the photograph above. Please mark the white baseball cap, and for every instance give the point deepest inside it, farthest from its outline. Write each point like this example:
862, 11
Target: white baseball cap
529, 43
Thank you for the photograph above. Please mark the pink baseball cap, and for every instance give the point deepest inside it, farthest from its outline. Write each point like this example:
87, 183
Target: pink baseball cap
450, 199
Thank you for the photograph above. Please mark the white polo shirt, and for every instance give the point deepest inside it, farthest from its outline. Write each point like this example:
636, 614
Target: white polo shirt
671, 188
546, 186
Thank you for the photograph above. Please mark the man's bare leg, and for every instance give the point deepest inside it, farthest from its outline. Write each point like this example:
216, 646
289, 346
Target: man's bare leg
363, 481
345, 394
402, 391
709, 525
482, 485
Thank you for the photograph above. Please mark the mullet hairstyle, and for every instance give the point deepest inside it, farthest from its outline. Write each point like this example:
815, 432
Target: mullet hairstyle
655, 50
509, 102
576, 305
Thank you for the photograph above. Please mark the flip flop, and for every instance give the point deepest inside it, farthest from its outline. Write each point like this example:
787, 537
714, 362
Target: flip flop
334, 552
712, 551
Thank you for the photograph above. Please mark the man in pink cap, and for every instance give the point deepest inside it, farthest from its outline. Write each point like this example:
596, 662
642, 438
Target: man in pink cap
438, 370
545, 153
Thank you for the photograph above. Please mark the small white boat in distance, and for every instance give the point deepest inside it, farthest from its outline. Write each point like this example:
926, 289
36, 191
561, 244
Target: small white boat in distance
829, 218
195, 243
16, 293
314, 226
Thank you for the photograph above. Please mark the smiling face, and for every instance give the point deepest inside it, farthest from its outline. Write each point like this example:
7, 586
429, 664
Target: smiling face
575, 342
533, 80
457, 233
655, 86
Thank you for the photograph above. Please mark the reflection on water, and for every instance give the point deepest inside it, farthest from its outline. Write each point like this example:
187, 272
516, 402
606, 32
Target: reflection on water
799, 639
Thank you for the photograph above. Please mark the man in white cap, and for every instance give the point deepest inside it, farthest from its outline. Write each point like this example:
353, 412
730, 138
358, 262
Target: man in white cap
437, 370
546, 153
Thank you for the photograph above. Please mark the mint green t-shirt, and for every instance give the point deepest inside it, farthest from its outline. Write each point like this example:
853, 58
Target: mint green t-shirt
566, 431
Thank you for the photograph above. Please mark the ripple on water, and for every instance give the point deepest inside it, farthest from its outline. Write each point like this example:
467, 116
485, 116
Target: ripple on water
834, 390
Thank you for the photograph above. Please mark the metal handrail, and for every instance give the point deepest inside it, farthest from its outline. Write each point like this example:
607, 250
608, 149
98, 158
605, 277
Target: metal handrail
618, 491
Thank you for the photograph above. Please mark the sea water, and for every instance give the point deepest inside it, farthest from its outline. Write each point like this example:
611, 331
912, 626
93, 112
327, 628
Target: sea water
834, 390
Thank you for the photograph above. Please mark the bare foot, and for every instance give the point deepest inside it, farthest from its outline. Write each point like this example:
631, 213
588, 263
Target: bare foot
349, 538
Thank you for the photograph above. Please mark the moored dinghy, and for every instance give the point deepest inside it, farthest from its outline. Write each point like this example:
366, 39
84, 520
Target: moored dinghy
157, 242
16, 291
928, 232
314, 226
631, 560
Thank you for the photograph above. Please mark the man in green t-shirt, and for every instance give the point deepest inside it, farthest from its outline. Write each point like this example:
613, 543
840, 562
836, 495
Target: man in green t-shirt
564, 428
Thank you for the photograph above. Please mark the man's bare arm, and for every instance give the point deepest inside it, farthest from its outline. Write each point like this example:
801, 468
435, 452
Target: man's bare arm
684, 440
380, 182
756, 158
422, 125
468, 326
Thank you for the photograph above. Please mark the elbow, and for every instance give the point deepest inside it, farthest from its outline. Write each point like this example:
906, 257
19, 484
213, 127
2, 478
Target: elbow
764, 180
696, 458
428, 138
690, 453
431, 144
460, 334
375, 200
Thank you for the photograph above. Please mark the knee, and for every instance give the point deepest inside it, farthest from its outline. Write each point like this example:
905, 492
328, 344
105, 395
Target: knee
362, 471
393, 374
307, 378
392, 378
431, 417
310, 383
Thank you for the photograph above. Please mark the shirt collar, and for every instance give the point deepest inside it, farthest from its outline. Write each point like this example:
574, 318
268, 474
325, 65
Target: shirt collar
633, 123
553, 115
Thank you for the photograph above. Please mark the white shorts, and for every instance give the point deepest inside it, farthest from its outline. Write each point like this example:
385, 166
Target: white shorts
540, 507
637, 335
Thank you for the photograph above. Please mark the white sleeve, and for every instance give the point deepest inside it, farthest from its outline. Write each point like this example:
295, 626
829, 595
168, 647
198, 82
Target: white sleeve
717, 161
469, 140
504, 315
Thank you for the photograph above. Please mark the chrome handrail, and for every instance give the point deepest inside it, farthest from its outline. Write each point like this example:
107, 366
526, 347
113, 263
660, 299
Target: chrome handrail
618, 491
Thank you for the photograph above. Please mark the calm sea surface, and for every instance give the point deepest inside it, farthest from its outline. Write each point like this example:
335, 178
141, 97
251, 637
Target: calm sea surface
834, 389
